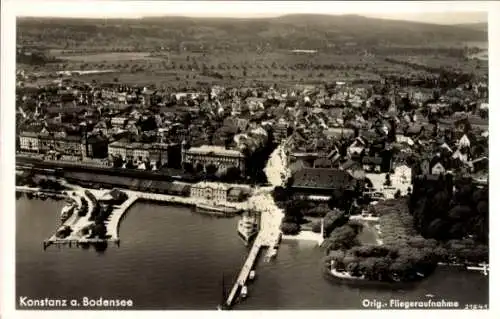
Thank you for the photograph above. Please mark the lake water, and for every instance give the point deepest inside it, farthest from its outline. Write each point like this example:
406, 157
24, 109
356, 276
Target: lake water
172, 258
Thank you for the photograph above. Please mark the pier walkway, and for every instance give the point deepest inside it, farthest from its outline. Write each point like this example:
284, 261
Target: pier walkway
245, 270
27, 189
116, 216
269, 236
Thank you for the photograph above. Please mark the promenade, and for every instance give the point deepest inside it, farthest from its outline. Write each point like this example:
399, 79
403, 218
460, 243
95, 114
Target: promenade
182, 200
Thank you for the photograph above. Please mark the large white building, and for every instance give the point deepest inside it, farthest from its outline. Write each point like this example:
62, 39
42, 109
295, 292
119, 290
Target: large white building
28, 142
157, 152
217, 155
210, 191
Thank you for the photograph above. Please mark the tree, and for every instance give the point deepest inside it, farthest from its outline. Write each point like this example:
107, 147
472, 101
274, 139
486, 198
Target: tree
100, 230
441, 253
279, 194
198, 168
388, 181
117, 162
336, 255
316, 227
130, 164
188, 167
233, 174
342, 238
366, 266
290, 228
459, 212
211, 169
333, 219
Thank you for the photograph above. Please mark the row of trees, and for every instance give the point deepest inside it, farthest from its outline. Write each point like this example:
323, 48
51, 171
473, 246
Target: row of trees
443, 213
343, 237
397, 228
385, 263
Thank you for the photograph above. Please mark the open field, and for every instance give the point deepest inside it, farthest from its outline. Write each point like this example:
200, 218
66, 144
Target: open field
107, 56
435, 61
225, 68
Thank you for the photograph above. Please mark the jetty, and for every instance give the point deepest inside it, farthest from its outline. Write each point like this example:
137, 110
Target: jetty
263, 240
269, 236
116, 216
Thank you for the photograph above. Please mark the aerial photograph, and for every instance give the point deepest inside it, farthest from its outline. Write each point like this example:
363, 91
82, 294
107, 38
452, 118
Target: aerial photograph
288, 161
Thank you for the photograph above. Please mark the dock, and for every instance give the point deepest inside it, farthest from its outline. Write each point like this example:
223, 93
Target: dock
269, 236
263, 240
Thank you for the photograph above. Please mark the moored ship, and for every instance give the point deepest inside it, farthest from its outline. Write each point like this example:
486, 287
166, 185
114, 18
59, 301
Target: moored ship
248, 227
217, 210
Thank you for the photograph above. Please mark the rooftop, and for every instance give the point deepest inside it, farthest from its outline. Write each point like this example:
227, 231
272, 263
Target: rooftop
321, 178
215, 150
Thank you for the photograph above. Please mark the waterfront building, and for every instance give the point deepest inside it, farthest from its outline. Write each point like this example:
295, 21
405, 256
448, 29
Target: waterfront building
29, 142
219, 156
61, 143
117, 149
210, 191
157, 152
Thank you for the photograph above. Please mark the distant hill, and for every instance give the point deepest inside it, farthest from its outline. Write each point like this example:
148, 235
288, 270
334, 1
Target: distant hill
285, 32
481, 26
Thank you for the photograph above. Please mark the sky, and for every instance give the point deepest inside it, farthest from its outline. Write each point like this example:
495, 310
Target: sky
441, 12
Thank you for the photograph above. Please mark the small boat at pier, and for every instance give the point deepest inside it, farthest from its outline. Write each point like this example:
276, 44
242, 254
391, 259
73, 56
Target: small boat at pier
244, 292
484, 268
251, 276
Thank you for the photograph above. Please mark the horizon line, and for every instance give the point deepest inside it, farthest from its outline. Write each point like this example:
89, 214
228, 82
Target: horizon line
262, 16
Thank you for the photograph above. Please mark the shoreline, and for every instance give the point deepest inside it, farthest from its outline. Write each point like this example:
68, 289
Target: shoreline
367, 283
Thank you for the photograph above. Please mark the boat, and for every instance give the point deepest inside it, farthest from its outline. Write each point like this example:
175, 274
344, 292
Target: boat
217, 210
484, 268
248, 228
244, 292
251, 276
43, 196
